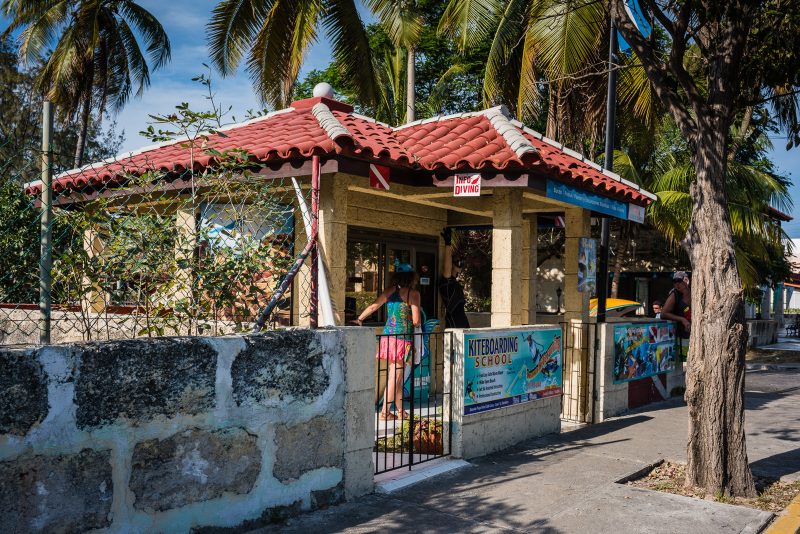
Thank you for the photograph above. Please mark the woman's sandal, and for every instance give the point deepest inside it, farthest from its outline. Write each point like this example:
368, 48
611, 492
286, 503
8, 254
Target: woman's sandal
404, 415
387, 416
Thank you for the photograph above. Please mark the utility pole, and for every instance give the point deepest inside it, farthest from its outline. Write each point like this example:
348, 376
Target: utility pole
46, 227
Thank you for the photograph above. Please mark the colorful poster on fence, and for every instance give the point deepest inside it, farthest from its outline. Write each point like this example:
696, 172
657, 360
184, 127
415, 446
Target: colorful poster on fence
642, 350
505, 368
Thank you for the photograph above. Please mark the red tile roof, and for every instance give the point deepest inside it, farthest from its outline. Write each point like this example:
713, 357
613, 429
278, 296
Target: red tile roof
482, 141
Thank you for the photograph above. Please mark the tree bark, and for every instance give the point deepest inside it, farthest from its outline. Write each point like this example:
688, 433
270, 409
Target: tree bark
80, 146
411, 95
717, 453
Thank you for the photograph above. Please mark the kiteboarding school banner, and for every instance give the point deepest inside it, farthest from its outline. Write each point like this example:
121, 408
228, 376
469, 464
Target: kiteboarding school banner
502, 368
643, 350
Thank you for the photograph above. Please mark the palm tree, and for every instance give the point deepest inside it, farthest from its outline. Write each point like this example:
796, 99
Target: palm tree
545, 52
275, 35
96, 58
751, 190
403, 22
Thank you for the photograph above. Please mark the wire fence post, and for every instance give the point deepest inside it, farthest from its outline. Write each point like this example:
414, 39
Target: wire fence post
46, 227
313, 304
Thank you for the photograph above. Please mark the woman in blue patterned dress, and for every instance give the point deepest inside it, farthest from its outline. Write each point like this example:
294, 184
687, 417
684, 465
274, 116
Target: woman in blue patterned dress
402, 315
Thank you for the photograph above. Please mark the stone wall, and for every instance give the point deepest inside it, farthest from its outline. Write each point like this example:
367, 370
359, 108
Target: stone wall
762, 332
184, 434
482, 433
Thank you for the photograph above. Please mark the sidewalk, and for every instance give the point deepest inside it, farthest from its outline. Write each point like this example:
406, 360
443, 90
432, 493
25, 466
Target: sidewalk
567, 482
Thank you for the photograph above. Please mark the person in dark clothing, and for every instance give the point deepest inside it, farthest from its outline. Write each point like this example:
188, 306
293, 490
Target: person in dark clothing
450, 288
678, 306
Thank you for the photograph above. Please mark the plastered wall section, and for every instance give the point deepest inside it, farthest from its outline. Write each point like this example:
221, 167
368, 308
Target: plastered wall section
184, 434
483, 433
612, 399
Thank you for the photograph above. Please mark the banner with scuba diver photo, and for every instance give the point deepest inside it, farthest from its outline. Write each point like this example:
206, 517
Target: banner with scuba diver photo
502, 368
643, 349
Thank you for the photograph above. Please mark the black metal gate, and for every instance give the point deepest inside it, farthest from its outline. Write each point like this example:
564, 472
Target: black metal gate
411, 426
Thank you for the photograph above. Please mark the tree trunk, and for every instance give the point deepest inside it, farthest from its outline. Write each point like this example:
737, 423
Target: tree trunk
80, 146
411, 95
717, 454
552, 107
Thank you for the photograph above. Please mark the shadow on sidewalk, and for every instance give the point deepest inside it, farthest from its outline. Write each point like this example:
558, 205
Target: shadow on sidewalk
778, 465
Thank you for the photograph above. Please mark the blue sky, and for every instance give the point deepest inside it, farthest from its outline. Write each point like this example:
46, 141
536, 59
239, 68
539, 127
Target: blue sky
185, 20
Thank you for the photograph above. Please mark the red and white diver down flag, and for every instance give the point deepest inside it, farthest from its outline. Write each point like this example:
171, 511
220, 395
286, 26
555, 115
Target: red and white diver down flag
379, 176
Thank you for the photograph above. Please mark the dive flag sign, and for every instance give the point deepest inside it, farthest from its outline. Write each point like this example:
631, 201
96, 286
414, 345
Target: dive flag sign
379, 176
467, 185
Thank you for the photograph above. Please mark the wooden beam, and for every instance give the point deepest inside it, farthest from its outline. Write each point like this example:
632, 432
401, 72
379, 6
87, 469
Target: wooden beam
471, 206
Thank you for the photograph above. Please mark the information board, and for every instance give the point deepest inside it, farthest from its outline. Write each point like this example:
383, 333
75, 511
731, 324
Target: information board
502, 368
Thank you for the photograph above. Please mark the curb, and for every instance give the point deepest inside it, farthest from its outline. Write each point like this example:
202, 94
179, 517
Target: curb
771, 367
789, 521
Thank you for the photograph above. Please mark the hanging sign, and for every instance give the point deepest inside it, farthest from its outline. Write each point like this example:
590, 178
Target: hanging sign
467, 185
636, 213
587, 265
379, 177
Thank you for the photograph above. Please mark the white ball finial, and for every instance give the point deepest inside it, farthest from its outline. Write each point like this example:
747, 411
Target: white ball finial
323, 89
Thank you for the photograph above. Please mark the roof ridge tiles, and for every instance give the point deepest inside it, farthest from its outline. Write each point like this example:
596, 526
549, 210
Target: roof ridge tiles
328, 121
498, 118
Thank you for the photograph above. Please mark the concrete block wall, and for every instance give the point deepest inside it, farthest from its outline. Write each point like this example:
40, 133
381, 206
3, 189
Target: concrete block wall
184, 434
762, 332
486, 432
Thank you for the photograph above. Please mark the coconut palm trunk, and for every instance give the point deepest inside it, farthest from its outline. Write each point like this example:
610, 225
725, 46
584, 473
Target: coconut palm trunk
83, 128
411, 95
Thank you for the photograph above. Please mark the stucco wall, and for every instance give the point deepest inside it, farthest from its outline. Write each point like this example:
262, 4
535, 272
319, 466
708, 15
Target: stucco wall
482, 433
177, 434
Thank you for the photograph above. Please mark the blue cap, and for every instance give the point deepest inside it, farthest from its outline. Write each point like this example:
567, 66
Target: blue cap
402, 267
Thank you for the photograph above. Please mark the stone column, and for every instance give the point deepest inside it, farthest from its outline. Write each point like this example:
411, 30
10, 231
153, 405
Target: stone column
766, 301
507, 257
530, 238
576, 315
333, 237
779, 304
186, 231
94, 299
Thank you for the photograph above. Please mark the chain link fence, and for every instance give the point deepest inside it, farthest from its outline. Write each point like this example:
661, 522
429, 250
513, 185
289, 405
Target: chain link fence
143, 250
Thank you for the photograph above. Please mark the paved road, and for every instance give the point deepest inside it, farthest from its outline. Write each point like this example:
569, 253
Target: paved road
566, 483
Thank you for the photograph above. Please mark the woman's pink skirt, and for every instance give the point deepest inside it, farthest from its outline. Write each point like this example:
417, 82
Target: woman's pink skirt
393, 348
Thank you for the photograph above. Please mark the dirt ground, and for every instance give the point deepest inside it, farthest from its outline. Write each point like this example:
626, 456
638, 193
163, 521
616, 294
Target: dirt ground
772, 356
773, 495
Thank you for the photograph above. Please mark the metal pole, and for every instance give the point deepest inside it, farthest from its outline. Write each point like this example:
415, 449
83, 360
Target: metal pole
46, 229
608, 163
312, 308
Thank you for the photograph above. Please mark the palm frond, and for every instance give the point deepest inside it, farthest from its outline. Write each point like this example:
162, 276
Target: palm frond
351, 49
468, 22
402, 22
232, 29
